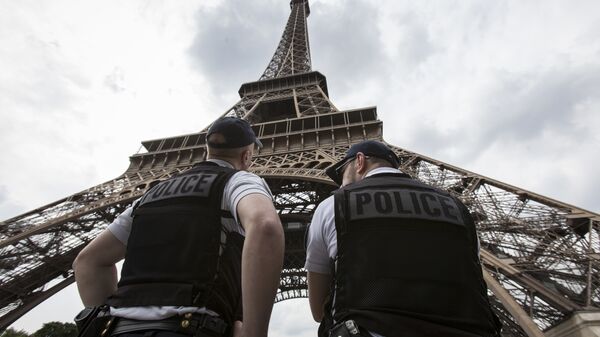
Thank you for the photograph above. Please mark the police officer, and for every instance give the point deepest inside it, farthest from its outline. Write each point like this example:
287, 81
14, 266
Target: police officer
390, 256
186, 266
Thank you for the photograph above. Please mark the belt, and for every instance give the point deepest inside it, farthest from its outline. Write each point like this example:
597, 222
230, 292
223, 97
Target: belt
189, 324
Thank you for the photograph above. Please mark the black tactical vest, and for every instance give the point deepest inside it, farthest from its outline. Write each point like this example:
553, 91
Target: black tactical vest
408, 262
178, 253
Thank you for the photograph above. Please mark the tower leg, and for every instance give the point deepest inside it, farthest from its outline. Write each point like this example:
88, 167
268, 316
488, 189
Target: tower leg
526, 323
581, 324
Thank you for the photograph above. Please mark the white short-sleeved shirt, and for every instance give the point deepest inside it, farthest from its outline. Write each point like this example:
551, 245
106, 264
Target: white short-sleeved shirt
240, 185
322, 237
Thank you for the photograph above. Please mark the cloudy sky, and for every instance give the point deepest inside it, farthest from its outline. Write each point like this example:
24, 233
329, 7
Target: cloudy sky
507, 89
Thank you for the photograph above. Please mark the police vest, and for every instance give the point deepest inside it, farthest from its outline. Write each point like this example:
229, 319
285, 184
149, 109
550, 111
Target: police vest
178, 253
408, 261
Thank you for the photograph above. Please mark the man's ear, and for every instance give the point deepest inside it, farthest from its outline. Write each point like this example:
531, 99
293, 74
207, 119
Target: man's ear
361, 163
246, 156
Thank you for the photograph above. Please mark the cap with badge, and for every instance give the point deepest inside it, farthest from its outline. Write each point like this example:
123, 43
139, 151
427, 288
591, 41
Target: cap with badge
371, 148
236, 133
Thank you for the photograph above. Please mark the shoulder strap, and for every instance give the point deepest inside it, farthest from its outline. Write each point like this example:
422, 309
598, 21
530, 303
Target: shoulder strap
327, 321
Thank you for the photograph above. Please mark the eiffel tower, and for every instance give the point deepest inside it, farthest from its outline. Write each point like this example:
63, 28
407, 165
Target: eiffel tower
540, 256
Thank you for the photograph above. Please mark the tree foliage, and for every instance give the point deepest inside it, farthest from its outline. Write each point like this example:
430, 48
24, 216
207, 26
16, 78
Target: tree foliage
10, 332
50, 329
56, 329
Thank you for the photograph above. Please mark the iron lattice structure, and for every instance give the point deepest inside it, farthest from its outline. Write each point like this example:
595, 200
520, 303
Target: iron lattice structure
540, 256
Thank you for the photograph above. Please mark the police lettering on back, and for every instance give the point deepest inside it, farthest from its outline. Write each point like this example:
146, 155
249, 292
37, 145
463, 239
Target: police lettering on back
402, 203
189, 185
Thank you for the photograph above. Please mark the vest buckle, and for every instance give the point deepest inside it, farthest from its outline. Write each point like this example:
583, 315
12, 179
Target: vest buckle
351, 326
347, 328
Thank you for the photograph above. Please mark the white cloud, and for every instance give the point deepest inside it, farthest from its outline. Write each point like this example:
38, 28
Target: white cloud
496, 85
61, 113
292, 318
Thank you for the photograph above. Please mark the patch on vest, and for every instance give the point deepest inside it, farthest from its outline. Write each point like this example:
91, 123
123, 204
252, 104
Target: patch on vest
401, 203
189, 185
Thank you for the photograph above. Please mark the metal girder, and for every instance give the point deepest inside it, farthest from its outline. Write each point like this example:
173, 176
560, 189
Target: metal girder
31, 301
512, 306
560, 302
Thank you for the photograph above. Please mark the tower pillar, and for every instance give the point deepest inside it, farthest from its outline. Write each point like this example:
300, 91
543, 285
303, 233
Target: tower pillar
581, 324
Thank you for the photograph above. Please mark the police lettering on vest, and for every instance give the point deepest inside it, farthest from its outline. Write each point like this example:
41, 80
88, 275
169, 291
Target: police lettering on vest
190, 185
402, 203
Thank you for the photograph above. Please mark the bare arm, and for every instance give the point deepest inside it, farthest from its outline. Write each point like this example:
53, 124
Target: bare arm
262, 260
237, 329
95, 270
318, 292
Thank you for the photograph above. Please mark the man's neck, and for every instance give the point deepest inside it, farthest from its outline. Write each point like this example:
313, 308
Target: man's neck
224, 162
381, 169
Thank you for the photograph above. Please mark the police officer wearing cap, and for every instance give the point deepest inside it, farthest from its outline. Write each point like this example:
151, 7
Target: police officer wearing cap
198, 248
390, 256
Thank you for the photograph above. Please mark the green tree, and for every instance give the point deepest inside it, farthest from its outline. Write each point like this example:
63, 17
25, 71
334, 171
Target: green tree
56, 329
10, 332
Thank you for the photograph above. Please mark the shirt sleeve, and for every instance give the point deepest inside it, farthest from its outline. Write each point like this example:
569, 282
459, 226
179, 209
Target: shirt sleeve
322, 239
241, 185
121, 226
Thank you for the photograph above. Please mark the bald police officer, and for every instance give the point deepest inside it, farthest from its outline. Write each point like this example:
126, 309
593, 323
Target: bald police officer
187, 267
390, 256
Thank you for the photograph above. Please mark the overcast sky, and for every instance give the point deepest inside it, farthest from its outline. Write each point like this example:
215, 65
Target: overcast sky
507, 89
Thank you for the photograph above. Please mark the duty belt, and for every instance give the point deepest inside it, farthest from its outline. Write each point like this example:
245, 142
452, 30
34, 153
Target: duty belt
190, 324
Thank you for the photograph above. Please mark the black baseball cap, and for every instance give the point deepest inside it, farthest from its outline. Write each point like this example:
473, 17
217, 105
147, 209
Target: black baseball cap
236, 131
370, 148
